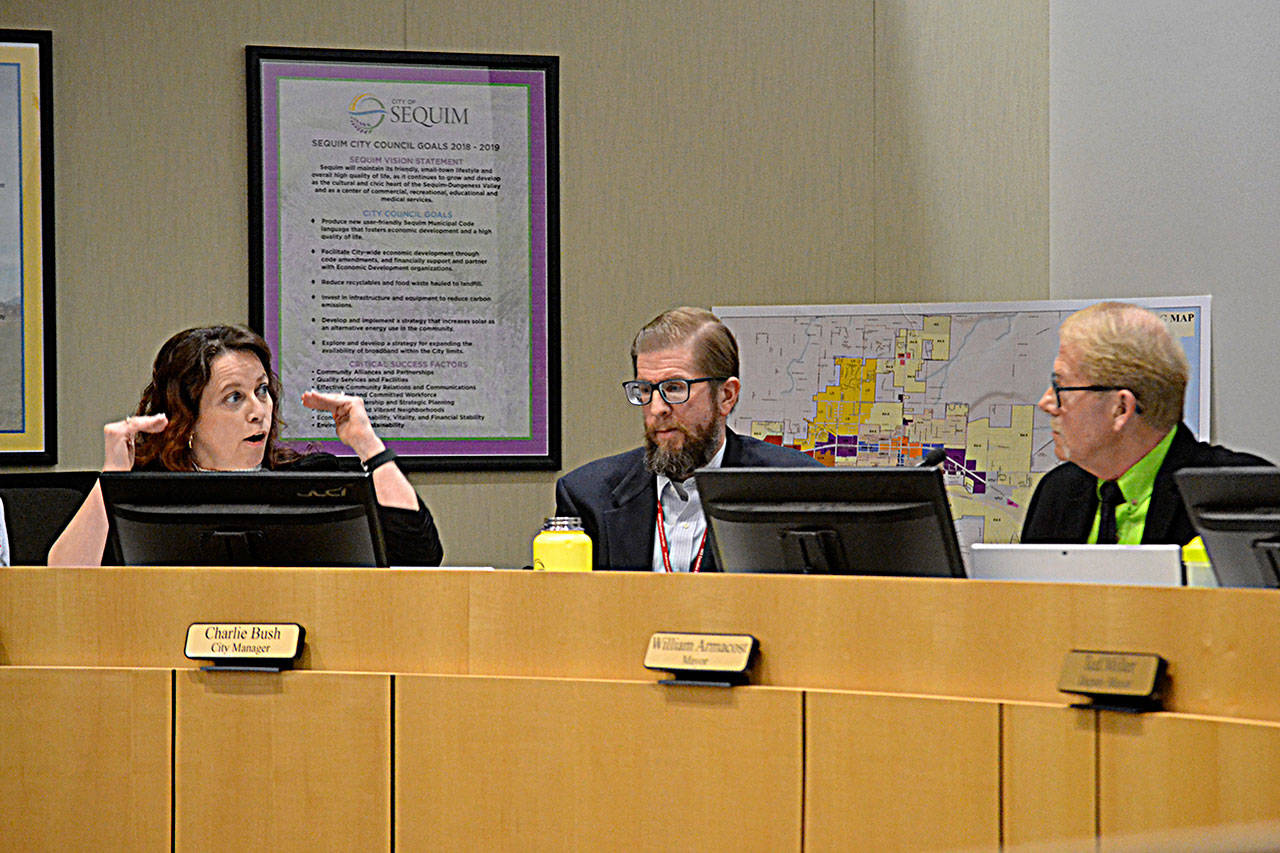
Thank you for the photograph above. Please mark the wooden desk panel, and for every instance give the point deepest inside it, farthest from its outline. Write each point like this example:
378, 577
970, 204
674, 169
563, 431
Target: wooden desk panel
245, 740
900, 773
292, 761
977, 639
973, 639
532, 764
1178, 782
379, 620
1048, 766
84, 759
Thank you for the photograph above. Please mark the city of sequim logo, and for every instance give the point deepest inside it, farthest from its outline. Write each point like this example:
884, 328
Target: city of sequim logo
367, 112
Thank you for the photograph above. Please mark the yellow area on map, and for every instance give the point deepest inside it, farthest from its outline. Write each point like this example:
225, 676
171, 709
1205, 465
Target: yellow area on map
915, 346
936, 335
949, 430
1002, 452
849, 408
1000, 457
857, 381
1000, 522
761, 430
994, 456
907, 361
842, 408
888, 415
878, 445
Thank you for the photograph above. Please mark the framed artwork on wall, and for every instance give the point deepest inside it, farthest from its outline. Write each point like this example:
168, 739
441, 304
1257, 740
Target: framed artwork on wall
28, 382
404, 246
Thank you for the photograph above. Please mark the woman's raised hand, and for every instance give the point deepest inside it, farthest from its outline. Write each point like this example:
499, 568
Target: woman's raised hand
119, 436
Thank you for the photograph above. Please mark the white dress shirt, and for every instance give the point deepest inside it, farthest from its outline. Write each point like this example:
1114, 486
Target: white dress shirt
685, 524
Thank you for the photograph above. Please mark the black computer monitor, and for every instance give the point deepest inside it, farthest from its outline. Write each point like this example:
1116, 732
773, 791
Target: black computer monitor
859, 521
1237, 513
261, 518
37, 508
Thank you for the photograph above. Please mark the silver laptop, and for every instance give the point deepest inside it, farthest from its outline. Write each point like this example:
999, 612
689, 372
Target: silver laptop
1132, 565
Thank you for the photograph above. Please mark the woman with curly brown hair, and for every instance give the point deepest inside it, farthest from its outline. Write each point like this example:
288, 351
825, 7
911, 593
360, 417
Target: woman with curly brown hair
211, 406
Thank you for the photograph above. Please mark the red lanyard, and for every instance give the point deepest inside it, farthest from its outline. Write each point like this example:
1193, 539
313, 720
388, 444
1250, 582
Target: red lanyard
662, 540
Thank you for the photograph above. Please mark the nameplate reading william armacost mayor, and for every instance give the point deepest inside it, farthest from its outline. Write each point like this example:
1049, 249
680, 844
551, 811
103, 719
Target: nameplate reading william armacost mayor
247, 644
716, 659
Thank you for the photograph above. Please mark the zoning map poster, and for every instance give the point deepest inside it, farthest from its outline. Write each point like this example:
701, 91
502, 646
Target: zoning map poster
856, 385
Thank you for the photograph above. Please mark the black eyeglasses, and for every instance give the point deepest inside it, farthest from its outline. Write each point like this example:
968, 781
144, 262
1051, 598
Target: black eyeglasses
1058, 389
673, 391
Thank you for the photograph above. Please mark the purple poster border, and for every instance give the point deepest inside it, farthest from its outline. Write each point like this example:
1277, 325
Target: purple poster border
267, 67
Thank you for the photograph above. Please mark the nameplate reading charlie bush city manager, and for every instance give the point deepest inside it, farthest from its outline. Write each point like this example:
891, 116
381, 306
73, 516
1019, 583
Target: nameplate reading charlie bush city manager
241, 641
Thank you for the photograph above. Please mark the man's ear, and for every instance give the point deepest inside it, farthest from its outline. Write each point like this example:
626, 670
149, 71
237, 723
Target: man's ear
1126, 407
729, 395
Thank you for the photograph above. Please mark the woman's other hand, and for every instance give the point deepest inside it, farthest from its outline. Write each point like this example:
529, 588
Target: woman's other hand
119, 438
351, 420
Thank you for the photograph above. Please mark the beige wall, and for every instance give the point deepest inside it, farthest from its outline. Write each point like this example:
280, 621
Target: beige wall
711, 153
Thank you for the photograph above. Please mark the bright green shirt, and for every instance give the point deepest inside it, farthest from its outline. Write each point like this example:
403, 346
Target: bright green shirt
1136, 484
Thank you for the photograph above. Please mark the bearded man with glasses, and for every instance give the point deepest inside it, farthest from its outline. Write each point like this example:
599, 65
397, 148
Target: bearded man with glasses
641, 508
1115, 400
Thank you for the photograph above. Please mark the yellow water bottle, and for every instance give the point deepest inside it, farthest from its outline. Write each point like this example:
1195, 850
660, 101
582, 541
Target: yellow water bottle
562, 546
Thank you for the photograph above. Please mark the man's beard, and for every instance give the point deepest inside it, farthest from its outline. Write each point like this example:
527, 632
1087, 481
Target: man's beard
699, 445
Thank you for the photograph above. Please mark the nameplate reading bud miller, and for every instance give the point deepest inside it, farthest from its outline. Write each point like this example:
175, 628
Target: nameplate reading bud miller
259, 646
1115, 681
715, 660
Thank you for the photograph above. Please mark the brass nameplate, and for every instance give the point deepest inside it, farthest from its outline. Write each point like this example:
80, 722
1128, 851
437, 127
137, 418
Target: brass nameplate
702, 658
264, 643
1128, 679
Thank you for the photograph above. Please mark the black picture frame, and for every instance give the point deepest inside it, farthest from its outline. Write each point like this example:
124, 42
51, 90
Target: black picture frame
28, 345
443, 394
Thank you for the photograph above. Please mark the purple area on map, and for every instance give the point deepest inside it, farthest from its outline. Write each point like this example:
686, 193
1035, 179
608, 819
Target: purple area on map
840, 445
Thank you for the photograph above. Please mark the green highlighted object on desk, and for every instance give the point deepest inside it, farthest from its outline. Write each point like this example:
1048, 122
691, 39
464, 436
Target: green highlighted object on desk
1195, 561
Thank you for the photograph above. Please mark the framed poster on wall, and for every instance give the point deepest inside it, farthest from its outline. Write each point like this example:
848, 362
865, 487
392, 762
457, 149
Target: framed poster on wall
404, 246
28, 384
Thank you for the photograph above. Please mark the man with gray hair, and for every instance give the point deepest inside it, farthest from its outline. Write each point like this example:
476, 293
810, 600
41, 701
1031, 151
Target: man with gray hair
1116, 401
641, 508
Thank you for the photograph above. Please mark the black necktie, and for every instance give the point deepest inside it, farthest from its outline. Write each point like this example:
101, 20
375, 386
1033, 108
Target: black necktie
1110, 497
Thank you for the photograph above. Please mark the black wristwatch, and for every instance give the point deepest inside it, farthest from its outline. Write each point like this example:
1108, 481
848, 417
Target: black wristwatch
377, 459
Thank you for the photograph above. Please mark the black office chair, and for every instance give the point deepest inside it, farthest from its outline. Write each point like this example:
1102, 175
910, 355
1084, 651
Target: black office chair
36, 509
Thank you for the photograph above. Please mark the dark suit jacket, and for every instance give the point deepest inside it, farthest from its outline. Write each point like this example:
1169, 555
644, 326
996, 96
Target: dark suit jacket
1065, 502
617, 500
